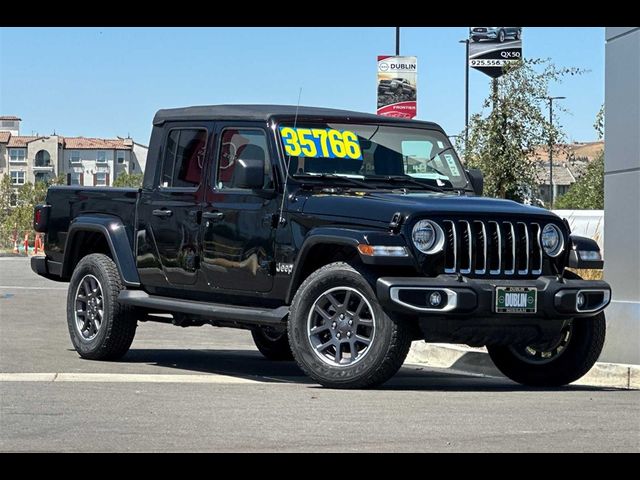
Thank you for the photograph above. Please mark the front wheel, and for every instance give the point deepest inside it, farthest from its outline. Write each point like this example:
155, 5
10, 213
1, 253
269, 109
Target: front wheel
501, 36
556, 363
340, 335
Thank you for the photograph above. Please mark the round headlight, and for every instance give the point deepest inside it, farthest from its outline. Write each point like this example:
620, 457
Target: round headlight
552, 240
427, 236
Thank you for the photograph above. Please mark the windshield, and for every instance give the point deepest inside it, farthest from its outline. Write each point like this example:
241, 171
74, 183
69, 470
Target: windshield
372, 152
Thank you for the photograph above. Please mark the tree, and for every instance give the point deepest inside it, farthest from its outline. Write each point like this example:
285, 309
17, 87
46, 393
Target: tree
588, 192
599, 122
128, 180
19, 218
6, 192
503, 143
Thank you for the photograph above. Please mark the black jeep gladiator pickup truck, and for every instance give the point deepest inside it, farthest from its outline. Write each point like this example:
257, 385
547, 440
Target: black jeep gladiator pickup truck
336, 237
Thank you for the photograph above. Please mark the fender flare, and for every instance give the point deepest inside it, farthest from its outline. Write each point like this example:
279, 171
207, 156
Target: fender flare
112, 228
345, 237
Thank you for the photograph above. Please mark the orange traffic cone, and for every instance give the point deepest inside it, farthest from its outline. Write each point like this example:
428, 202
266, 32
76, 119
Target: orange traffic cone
26, 244
36, 244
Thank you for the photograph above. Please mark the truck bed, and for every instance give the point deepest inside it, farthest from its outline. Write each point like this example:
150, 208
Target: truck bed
70, 202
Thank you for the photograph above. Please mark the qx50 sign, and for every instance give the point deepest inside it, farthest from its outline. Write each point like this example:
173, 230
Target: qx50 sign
397, 79
493, 48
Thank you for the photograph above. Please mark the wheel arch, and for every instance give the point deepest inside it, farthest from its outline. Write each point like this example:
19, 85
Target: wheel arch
100, 233
326, 245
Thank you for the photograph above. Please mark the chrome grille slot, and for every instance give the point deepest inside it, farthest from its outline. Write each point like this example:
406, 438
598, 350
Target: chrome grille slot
466, 237
509, 248
480, 247
522, 257
536, 249
492, 247
495, 247
451, 246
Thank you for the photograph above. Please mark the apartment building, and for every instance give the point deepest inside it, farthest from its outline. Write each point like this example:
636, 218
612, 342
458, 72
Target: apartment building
82, 161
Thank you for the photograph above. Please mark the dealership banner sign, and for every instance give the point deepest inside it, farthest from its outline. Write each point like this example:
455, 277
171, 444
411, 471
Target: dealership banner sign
397, 86
493, 48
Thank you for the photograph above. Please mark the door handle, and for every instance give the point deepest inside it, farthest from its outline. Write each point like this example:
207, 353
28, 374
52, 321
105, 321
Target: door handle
215, 216
162, 213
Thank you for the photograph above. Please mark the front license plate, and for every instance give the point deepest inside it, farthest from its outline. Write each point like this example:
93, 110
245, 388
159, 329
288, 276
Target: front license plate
516, 299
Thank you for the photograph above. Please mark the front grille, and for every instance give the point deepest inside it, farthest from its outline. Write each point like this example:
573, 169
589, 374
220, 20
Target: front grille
492, 247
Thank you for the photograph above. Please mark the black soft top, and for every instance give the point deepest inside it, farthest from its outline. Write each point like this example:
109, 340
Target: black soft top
269, 112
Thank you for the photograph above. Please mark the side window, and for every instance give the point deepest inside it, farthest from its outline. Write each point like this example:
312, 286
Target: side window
242, 144
184, 155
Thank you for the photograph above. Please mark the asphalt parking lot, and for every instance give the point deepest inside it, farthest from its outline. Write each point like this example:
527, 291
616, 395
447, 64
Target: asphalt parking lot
208, 389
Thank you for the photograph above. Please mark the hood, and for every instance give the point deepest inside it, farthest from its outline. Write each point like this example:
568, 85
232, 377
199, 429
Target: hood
380, 206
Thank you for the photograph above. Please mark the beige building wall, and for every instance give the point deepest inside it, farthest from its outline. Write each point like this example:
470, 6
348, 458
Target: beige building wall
86, 163
44, 144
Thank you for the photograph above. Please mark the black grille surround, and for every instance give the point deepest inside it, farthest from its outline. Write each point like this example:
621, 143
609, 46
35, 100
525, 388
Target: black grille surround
500, 248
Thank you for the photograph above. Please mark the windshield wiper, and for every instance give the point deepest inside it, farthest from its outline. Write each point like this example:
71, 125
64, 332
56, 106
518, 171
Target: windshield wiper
323, 176
404, 179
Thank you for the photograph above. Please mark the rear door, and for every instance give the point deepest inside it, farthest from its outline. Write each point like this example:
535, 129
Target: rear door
169, 213
237, 229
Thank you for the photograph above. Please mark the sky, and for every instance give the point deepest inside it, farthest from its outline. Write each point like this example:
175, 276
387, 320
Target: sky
107, 82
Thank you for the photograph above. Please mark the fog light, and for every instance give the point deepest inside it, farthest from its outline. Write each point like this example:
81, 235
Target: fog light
435, 298
580, 300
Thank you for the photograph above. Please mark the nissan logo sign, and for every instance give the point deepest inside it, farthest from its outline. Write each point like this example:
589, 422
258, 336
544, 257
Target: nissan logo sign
383, 66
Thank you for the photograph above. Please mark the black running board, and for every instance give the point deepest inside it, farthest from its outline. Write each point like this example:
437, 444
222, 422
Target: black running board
212, 311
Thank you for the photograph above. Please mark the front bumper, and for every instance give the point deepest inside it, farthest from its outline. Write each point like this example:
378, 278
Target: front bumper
464, 297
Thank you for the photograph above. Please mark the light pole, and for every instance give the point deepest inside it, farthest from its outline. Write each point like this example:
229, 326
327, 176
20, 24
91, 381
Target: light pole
551, 99
466, 91
397, 41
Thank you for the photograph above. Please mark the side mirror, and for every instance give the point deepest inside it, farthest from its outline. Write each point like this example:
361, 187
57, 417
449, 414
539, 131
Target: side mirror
477, 180
249, 173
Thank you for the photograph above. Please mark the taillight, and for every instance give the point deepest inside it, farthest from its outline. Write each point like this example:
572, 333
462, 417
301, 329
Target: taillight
41, 218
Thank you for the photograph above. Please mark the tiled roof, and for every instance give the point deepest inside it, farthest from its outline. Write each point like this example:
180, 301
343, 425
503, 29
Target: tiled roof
4, 137
9, 117
82, 143
563, 174
20, 141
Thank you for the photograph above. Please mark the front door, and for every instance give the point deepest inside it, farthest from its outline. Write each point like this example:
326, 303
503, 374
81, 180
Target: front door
169, 213
237, 231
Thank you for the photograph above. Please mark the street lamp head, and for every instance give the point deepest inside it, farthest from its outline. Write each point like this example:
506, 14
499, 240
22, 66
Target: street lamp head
551, 98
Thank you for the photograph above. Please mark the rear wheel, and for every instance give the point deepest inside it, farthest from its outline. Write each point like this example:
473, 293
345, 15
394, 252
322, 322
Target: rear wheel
501, 36
564, 360
272, 343
99, 326
340, 335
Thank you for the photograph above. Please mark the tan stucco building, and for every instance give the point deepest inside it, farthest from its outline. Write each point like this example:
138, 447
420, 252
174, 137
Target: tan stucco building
82, 161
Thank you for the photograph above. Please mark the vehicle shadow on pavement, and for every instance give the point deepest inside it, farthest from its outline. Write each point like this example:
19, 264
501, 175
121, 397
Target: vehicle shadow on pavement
252, 365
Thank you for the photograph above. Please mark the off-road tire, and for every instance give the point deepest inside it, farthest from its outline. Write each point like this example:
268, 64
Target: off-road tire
582, 351
386, 353
115, 335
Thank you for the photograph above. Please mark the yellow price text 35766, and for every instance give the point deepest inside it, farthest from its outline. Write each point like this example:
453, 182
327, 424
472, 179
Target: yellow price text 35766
320, 142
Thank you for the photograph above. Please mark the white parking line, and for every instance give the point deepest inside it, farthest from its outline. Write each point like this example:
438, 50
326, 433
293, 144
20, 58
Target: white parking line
15, 287
126, 378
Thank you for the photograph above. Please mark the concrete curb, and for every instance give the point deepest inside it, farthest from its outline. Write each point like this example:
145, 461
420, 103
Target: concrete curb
476, 360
